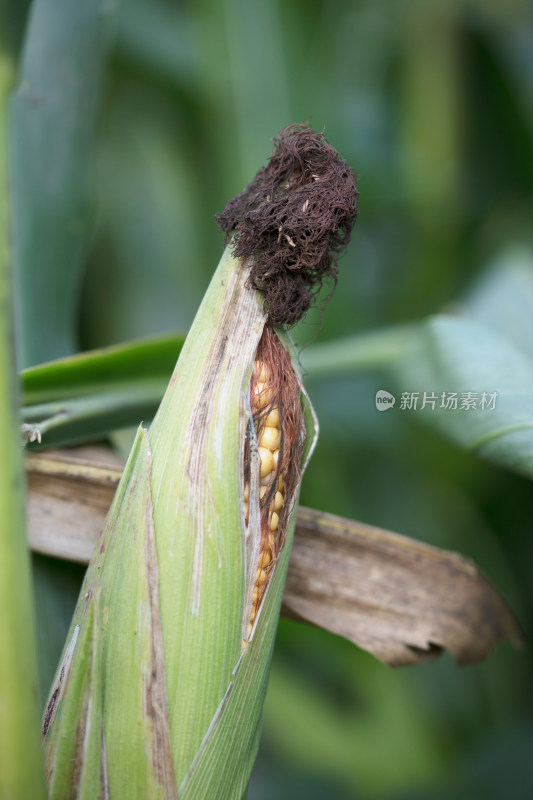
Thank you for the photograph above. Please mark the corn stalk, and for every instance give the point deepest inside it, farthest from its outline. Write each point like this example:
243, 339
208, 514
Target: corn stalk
21, 773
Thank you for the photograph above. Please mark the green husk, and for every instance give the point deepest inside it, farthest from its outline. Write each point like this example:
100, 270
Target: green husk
114, 691
155, 695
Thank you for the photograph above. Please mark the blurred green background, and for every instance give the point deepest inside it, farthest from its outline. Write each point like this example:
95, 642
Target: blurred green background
154, 114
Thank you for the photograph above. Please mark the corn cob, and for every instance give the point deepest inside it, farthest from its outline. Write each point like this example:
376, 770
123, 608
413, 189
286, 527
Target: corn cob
279, 434
271, 482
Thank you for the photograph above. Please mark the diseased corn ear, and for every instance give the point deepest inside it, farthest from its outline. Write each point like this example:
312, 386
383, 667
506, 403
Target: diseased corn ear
160, 666
161, 686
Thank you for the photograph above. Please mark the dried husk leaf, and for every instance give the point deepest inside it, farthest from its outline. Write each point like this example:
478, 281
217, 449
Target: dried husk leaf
401, 599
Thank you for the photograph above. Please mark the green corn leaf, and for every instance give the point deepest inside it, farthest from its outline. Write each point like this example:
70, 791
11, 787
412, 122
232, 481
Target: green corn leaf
363, 351
86, 396
117, 367
53, 116
458, 355
502, 298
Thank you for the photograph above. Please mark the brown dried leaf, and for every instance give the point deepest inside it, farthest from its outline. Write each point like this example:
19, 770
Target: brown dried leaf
69, 495
400, 599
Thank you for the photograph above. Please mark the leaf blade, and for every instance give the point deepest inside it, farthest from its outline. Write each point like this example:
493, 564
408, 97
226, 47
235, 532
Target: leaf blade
86, 396
459, 355
53, 114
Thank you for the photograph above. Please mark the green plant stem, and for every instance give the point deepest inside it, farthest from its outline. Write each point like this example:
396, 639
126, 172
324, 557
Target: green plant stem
372, 350
21, 773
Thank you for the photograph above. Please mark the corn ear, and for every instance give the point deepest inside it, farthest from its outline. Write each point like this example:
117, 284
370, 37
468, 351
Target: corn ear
156, 694
161, 686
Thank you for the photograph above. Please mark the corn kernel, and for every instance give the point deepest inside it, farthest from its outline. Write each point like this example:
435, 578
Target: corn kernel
269, 444
273, 418
281, 482
270, 438
262, 395
267, 462
262, 372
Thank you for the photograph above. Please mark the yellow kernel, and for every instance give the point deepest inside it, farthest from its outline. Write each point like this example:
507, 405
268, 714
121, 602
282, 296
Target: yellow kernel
278, 501
255, 595
264, 558
262, 491
261, 577
281, 482
275, 456
257, 390
246, 492
262, 372
271, 541
270, 438
267, 462
262, 395
253, 613
274, 522
273, 419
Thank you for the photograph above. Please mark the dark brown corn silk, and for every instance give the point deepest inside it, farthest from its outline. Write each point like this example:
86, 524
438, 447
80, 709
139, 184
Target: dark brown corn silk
293, 221
282, 393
